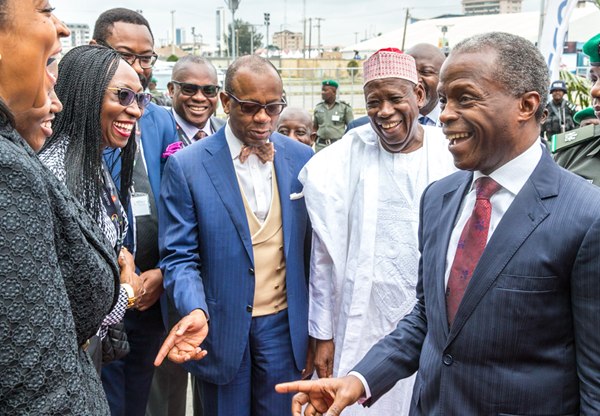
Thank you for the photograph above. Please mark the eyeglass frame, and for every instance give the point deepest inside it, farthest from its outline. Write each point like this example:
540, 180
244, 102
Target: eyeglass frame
136, 97
200, 87
262, 106
136, 57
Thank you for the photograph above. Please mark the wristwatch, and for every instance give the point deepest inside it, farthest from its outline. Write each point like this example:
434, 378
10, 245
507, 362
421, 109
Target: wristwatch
130, 294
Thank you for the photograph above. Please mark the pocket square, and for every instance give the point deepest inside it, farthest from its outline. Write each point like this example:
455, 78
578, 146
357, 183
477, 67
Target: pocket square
296, 196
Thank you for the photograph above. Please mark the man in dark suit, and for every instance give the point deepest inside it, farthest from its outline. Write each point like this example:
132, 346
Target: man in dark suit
194, 89
507, 317
127, 381
235, 242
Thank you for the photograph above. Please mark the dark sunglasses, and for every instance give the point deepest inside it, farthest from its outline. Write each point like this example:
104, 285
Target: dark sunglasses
128, 96
252, 108
146, 61
209, 91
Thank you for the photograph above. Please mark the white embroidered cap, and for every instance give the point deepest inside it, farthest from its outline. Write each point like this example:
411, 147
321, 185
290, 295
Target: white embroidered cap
390, 63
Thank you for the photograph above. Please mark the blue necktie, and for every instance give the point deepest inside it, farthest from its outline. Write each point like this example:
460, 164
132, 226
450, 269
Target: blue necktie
424, 120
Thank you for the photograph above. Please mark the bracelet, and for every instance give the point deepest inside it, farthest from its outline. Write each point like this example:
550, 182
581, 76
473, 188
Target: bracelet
130, 294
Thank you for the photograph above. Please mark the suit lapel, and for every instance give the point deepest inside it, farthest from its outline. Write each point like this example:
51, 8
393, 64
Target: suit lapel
449, 210
523, 216
221, 172
284, 172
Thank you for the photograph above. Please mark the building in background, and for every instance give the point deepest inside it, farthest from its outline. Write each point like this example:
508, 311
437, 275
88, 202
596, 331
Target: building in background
80, 35
222, 31
288, 40
479, 7
180, 36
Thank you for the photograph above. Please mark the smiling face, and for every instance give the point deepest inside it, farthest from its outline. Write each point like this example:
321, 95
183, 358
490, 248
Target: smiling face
393, 109
29, 35
136, 39
195, 109
557, 95
118, 121
429, 60
595, 90
481, 119
296, 123
263, 87
35, 124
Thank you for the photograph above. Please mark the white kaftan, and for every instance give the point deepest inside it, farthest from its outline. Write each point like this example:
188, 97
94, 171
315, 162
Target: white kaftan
363, 203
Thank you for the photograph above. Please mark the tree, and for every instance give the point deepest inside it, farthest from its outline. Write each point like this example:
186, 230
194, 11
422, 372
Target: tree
172, 58
243, 38
352, 64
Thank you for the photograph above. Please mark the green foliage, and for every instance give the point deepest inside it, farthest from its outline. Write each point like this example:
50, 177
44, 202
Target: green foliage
172, 58
353, 64
579, 88
243, 38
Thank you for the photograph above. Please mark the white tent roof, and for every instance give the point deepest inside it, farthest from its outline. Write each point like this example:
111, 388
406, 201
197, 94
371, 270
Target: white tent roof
582, 26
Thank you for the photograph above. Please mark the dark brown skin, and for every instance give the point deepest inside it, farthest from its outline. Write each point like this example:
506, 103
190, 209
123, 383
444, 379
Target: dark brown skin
499, 127
396, 102
595, 91
429, 60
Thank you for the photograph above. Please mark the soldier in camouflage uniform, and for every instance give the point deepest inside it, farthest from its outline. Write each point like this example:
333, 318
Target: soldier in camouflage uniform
331, 116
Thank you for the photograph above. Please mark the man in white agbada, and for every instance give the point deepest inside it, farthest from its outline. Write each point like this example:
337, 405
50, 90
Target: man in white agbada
362, 195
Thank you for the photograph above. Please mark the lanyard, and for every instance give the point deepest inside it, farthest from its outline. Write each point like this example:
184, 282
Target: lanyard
110, 199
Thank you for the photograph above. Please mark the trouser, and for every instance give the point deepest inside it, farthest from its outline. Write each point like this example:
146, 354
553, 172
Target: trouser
268, 359
321, 144
127, 381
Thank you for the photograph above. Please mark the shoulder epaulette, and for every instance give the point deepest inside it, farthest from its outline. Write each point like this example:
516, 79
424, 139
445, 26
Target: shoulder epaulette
571, 138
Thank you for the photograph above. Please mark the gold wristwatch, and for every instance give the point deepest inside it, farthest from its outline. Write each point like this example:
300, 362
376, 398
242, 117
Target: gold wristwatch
130, 294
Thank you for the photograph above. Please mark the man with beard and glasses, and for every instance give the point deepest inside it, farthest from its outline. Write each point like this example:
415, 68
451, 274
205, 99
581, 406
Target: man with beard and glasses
365, 218
127, 381
506, 319
429, 60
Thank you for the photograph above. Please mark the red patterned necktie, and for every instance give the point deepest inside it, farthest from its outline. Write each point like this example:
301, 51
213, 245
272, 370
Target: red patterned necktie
200, 135
471, 245
265, 152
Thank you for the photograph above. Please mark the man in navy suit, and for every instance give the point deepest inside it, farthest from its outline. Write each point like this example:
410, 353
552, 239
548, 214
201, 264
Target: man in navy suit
234, 244
127, 381
508, 309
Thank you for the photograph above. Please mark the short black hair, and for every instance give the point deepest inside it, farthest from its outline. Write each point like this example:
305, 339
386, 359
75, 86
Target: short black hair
106, 21
255, 63
183, 62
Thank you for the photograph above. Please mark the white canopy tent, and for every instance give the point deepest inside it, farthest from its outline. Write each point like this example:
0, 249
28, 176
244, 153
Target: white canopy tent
582, 26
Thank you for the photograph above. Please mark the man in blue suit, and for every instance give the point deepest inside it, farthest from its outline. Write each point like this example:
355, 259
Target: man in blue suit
234, 244
127, 381
508, 309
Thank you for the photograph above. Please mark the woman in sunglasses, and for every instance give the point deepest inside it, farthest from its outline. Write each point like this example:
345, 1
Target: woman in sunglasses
102, 100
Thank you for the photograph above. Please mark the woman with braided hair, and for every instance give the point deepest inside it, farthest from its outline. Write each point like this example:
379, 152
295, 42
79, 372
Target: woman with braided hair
102, 100
48, 243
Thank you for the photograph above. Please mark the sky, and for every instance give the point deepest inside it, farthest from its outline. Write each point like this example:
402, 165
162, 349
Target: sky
344, 20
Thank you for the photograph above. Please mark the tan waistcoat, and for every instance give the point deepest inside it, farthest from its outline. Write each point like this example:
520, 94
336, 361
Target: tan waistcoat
270, 293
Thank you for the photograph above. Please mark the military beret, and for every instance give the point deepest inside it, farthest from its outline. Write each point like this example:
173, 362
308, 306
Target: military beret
584, 114
331, 83
590, 48
154, 80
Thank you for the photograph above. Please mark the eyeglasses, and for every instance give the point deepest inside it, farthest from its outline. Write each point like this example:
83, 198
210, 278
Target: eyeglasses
128, 96
209, 91
146, 61
252, 108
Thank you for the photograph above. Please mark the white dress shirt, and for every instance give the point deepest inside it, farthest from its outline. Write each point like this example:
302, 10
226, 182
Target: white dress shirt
254, 177
433, 118
512, 177
190, 130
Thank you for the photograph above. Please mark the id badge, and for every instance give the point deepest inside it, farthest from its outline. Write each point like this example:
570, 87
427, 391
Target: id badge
140, 204
335, 118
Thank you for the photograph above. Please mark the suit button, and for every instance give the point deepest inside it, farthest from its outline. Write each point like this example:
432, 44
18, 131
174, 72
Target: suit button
447, 359
251, 271
249, 308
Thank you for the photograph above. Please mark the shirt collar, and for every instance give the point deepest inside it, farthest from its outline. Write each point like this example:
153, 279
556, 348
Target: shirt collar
513, 175
235, 144
434, 115
190, 130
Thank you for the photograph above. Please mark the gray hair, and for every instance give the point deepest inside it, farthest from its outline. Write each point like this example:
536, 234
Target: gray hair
520, 67
183, 62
